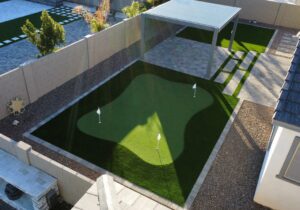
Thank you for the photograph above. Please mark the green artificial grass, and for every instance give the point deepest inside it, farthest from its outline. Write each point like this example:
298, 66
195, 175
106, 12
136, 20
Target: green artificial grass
136, 105
12, 28
247, 37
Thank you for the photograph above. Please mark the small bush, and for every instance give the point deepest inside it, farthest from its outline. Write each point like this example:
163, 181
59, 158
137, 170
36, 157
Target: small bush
134, 9
49, 35
98, 20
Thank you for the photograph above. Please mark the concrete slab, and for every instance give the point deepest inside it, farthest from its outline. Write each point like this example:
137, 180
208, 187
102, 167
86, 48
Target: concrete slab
1, 44
15, 38
7, 41
221, 78
144, 203
128, 196
230, 65
23, 36
265, 80
248, 60
238, 55
235, 80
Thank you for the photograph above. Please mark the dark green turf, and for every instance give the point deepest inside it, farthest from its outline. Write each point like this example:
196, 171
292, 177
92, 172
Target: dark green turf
247, 37
3, 0
172, 181
12, 28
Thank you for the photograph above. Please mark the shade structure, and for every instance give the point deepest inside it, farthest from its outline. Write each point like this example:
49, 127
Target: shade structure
197, 14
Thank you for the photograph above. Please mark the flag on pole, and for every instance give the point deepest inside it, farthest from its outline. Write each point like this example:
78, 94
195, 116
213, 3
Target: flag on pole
195, 86
195, 89
98, 111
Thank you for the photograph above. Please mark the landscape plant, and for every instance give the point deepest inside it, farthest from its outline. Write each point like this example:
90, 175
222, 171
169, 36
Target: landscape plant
134, 9
98, 20
47, 37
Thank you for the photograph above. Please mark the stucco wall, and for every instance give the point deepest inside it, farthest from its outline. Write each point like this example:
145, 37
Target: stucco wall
12, 84
272, 191
72, 185
266, 12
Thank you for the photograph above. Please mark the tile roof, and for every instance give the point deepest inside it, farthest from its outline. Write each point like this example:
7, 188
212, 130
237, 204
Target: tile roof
287, 110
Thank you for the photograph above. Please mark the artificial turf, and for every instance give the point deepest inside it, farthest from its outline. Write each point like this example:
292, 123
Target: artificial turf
12, 28
247, 37
137, 105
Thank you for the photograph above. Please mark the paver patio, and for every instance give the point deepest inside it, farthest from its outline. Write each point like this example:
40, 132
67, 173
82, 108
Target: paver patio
186, 56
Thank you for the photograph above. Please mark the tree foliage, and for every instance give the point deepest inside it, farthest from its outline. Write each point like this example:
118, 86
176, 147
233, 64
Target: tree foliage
47, 37
134, 9
98, 20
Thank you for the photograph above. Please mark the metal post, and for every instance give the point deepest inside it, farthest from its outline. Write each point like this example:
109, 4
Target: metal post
233, 32
212, 53
142, 36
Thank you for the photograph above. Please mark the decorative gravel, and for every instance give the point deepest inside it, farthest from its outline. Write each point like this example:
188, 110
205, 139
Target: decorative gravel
232, 179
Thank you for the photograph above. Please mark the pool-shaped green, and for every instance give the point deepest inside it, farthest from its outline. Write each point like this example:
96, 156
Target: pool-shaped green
141, 102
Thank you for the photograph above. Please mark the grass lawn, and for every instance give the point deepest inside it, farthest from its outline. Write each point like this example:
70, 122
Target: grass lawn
137, 105
12, 28
247, 37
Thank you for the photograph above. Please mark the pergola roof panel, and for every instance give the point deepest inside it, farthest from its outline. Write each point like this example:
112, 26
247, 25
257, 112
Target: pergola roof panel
195, 13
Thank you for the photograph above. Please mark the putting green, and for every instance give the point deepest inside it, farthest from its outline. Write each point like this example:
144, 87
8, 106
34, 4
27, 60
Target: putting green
140, 113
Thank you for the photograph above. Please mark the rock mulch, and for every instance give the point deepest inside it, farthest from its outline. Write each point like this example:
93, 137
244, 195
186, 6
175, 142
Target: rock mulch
232, 179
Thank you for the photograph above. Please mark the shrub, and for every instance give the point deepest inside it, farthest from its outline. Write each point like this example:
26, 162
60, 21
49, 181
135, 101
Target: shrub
49, 35
134, 9
98, 20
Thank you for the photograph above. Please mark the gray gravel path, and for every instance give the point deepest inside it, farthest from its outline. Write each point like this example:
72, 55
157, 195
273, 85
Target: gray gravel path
232, 179
13, 55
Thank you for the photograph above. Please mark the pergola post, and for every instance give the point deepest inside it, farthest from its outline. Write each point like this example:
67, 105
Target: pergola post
143, 44
212, 53
233, 32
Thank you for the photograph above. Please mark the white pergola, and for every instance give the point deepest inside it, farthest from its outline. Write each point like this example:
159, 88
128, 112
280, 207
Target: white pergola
196, 14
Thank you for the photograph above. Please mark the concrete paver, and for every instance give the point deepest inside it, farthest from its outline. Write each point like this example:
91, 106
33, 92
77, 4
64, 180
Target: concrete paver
235, 80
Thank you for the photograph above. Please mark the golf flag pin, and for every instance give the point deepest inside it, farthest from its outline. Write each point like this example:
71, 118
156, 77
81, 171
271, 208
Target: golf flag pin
195, 89
158, 140
99, 113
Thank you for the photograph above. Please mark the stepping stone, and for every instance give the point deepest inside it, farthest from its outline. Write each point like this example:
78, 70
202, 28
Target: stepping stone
221, 78
71, 19
247, 60
238, 55
15, 38
7, 41
1, 44
234, 82
23, 36
66, 21
60, 23
230, 65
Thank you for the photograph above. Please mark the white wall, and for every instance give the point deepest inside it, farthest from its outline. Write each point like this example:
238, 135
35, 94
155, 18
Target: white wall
272, 191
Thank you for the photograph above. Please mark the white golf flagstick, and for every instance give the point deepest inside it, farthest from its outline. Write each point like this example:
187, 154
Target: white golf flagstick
99, 113
195, 89
158, 140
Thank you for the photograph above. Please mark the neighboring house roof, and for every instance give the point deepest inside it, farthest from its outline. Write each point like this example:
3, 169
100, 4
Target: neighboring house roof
287, 112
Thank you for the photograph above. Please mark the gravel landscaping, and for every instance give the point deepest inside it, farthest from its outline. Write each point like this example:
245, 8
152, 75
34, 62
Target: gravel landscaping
232, 179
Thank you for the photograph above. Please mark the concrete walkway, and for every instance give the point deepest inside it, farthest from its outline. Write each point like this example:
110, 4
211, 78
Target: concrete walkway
127, 198
266, 79
18, 8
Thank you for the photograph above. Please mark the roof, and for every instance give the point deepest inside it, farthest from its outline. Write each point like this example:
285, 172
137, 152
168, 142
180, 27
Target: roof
30, 180
292, 2
287, 111
194, 13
